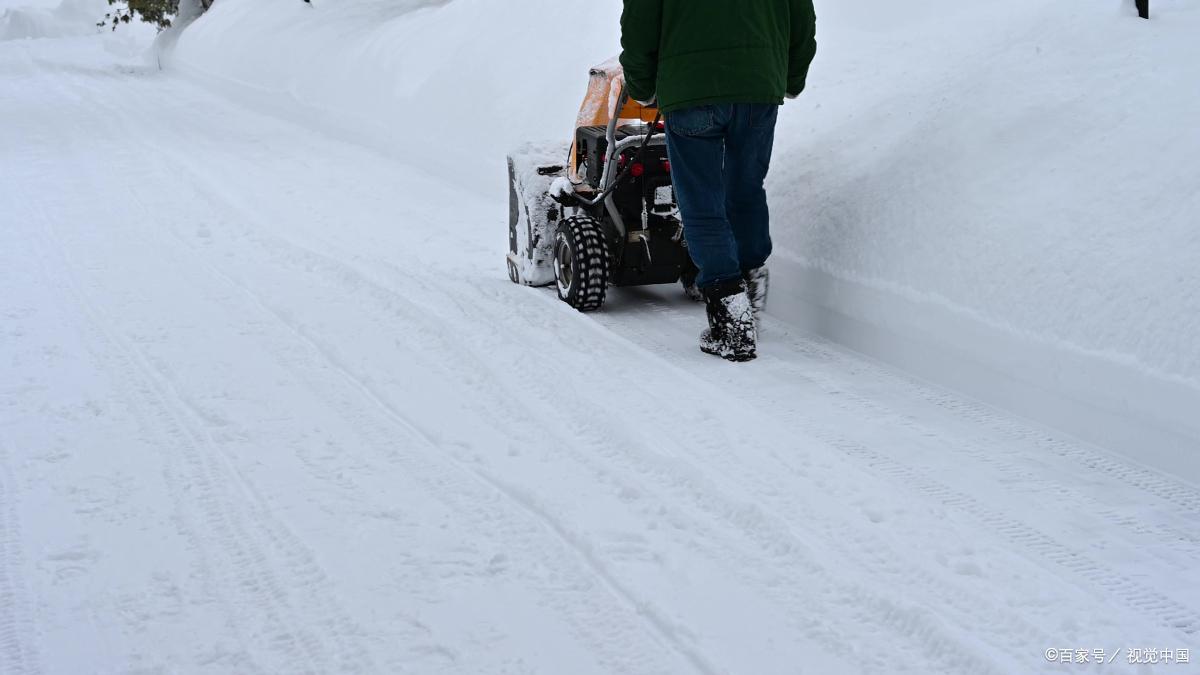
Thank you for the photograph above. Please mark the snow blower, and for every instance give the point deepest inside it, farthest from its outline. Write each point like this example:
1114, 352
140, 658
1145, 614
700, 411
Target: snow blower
607, 215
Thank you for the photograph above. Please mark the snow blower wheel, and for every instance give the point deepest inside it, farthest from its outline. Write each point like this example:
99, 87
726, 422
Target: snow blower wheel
581, 263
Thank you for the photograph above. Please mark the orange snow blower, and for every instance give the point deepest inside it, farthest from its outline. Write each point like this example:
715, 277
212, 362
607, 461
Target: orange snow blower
605, 216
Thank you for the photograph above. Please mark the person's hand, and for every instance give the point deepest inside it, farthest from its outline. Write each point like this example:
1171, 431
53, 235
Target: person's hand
647, 104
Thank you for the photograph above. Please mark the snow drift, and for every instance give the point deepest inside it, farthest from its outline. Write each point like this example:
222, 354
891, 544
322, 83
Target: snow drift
69, 18
1000, 197
1004, 198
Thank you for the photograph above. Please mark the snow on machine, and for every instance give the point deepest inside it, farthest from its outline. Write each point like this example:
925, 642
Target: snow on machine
606, 216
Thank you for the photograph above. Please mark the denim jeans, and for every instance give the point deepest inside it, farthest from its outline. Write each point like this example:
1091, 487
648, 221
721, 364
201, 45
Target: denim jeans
720, 155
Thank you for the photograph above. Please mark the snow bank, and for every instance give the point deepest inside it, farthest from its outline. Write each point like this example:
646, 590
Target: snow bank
1001, 197
454, 82
1006, 199
43, 20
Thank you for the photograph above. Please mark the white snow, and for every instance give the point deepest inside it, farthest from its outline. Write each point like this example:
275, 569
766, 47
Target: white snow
999, 197
1010, 207
21, 20
269, 404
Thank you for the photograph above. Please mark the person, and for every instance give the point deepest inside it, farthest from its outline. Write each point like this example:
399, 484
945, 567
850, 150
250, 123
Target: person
719, 70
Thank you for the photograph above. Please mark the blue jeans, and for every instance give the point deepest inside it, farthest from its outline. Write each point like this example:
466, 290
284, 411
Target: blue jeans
720, 155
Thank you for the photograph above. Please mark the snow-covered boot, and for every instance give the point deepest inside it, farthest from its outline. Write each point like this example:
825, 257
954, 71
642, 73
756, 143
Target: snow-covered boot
758, 280
731, 333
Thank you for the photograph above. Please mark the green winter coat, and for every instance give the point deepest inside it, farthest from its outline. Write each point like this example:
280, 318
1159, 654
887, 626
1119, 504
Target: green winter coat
698, 52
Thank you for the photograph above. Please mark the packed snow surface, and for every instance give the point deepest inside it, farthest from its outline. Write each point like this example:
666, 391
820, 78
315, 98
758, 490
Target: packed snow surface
25, 20
269, 404
999, 197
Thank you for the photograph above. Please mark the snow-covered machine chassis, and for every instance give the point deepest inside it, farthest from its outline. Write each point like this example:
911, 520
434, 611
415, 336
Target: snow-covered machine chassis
607, 214
533, 216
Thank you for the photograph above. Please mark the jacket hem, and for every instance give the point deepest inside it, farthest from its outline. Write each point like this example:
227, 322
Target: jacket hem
714, 100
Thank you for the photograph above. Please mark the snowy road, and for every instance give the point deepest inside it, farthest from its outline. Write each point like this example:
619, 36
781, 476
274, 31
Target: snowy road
268, 404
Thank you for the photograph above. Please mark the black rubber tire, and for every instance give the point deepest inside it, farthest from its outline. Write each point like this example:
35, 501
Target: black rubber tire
581, 263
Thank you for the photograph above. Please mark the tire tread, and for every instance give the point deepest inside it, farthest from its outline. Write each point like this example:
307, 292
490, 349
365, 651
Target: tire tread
590, 251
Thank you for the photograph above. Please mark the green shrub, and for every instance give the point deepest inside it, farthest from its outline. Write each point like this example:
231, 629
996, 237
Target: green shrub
157, 12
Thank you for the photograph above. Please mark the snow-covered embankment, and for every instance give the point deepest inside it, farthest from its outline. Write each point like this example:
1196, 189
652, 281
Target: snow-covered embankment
27, 20
999, 198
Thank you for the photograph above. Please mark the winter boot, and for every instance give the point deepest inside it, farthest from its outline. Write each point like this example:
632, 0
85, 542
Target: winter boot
757, 282
731, 333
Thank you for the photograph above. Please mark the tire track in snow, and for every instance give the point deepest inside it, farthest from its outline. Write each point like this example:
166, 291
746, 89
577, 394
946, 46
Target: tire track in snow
1173, 492
904, 622
663, 628
439, 480
307, 261
1155, 605
342, 275
132, 389
156, 380
18, 648
209, 477
152, 414
1181, 495
1143, 600
1162, 609
1006, 462
446, 485
18, 652
775, 510
595, 438
1002, 458
766, 523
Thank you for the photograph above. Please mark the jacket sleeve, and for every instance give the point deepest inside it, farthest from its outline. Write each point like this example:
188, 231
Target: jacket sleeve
641, 32
803, 44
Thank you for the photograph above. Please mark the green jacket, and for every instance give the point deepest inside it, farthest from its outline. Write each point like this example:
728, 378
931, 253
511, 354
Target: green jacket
697, 52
